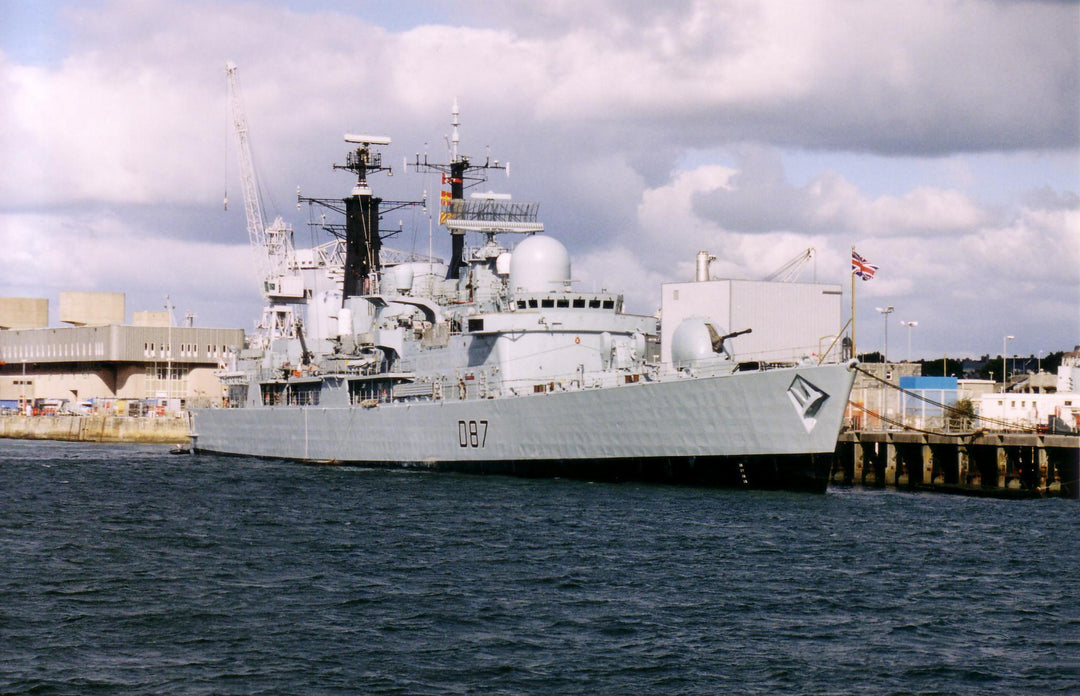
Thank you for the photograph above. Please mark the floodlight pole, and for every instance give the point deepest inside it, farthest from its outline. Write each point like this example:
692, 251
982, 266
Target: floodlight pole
909, 325
886, 311
1004, 371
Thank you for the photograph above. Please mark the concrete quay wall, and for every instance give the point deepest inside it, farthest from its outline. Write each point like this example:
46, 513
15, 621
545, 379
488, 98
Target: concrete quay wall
157, 430
1000, 464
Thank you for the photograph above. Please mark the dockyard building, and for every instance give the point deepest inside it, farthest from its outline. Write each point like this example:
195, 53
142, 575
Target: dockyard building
99, 363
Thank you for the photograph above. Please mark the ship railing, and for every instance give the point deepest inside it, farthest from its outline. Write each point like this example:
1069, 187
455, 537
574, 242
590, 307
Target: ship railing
707, 367
575, 381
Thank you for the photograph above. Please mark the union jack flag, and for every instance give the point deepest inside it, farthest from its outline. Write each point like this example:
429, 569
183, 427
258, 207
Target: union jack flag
861, 268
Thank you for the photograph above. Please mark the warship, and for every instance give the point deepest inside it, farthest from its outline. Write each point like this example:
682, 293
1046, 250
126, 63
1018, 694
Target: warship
493, 361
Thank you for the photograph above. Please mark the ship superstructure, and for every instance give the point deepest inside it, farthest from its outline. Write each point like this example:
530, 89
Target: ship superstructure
495, 362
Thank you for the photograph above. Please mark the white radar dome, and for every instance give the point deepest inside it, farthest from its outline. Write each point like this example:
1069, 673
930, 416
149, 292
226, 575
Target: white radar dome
502, 263
399, 278
539, 264
692, 342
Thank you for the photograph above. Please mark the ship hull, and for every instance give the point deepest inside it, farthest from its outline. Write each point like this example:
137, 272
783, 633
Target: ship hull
772, 430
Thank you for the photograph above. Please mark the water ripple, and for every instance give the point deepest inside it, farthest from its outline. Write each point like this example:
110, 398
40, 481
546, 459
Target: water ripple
130, 572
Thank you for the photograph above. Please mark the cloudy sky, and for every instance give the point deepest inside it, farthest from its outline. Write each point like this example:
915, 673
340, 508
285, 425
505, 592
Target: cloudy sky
940, 139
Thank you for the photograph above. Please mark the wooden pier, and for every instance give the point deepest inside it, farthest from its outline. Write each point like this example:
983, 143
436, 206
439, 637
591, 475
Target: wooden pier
989, 463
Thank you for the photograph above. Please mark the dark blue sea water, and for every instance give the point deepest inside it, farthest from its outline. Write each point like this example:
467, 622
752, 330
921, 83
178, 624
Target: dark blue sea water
125, 570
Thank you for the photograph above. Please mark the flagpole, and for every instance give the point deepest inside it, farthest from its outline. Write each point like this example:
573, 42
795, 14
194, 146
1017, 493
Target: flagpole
854, 353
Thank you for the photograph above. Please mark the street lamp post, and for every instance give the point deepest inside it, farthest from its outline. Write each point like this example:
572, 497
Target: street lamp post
1004, 371
909, 325
168, 356
886, 311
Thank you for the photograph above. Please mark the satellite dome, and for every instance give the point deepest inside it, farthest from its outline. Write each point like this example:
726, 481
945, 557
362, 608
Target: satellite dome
502, 263
399, 278
539, 264
692, 342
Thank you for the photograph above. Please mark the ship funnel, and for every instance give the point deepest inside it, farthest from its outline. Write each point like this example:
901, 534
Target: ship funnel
703, 261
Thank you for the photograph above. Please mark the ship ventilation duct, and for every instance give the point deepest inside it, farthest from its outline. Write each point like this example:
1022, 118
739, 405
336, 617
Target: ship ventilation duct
703, 260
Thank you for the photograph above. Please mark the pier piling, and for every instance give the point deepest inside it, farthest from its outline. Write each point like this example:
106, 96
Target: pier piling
982, 463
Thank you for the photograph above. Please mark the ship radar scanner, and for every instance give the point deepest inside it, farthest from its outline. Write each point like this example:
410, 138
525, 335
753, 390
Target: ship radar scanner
539, 264
363, 159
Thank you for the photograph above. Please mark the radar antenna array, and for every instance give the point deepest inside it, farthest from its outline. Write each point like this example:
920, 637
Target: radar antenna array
459, 170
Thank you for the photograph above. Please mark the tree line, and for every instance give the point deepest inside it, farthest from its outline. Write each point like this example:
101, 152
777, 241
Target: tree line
980, 368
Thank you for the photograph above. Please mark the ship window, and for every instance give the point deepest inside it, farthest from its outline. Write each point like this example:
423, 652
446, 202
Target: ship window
609, 304
539, 388
547, 302
533, 304
521, 304
272, 393
579, 303
237, 395
304, 394
476, 324
564, 303
594, 304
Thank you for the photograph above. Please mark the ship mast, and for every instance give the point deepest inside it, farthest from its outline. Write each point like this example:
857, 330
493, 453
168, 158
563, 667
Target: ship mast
456, 172
362, 211
362, 242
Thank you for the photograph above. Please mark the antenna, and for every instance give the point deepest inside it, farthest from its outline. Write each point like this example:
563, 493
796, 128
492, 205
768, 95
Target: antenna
455, 121
459, 173
367, 139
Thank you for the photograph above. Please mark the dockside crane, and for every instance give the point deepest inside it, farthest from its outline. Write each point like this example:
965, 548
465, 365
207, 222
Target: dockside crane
271, 244
789, 272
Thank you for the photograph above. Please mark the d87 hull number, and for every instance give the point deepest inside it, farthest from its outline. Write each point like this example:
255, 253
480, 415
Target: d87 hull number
472, 433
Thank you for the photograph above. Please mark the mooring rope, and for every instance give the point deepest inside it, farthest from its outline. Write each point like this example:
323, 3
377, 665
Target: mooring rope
950, 410
904, 426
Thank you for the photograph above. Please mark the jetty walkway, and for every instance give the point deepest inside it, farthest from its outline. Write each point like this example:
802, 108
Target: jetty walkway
166, 430
998, 463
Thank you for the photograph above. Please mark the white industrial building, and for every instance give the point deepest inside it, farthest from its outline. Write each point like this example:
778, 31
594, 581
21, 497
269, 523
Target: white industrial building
1008, 410
1033, 409
789, 321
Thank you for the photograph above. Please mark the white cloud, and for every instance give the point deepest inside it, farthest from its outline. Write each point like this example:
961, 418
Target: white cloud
136, 111
941, 254
621, 270
759, 198
908, 76
100, 253
593, 102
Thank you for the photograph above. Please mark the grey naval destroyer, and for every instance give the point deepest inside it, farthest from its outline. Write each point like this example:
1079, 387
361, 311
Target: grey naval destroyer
494, 362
